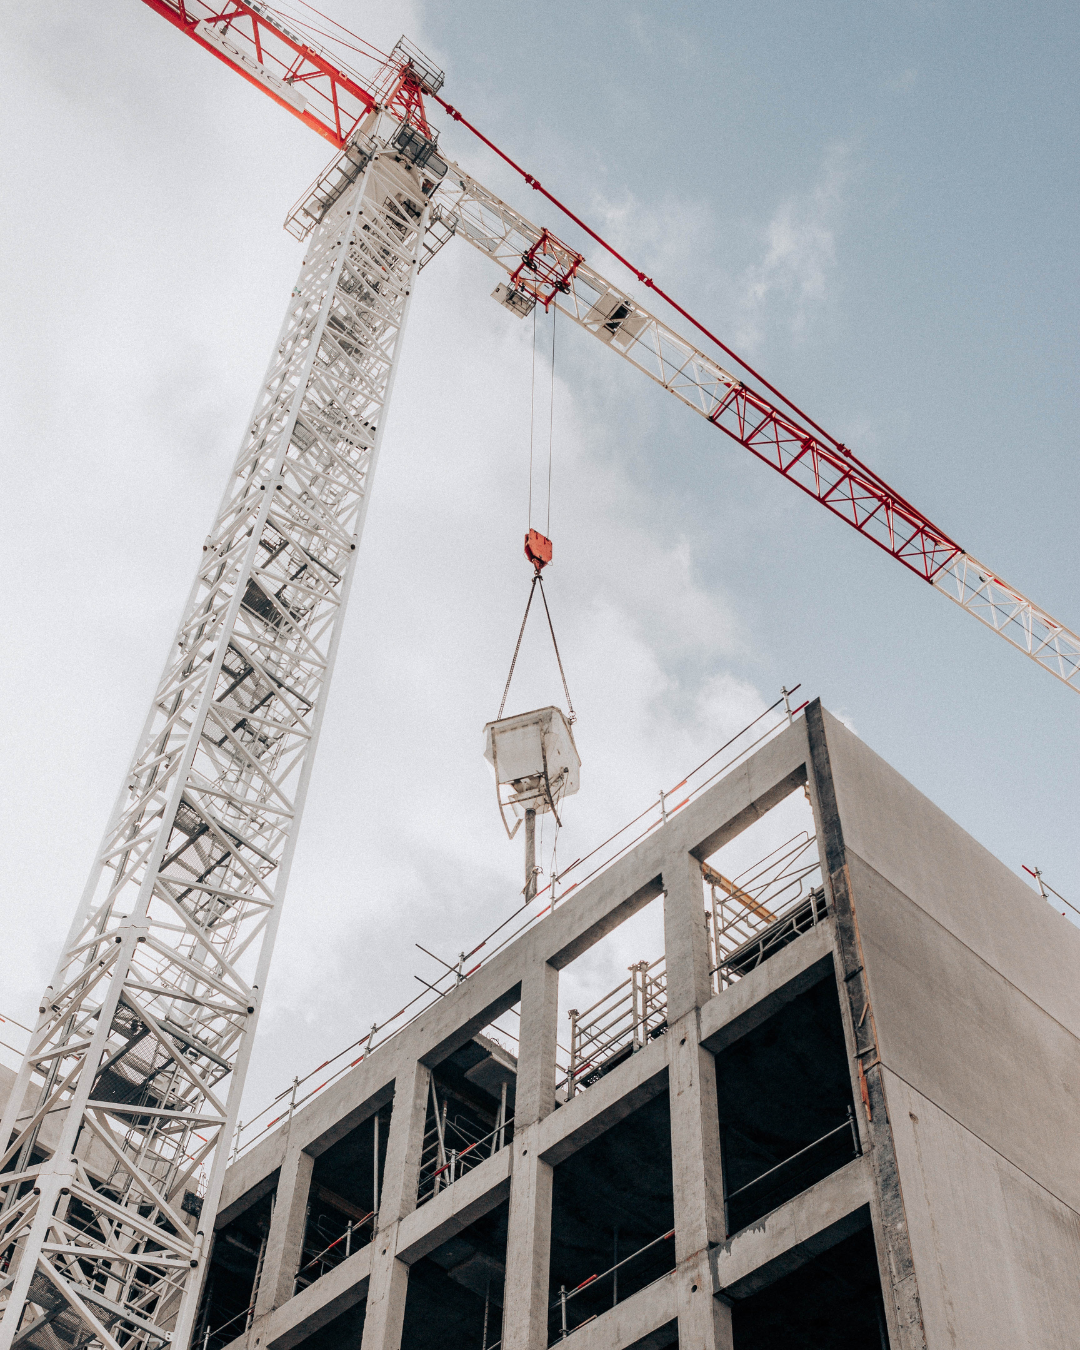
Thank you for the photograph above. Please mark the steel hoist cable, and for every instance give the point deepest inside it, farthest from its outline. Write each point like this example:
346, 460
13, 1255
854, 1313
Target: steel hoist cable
537, 581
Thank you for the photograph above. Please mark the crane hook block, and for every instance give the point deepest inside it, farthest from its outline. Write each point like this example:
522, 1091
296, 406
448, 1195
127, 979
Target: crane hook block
537, 550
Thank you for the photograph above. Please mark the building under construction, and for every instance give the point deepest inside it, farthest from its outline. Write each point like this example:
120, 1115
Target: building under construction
837, 1122
831, 1112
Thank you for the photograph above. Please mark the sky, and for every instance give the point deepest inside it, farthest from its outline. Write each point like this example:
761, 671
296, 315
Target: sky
875, 203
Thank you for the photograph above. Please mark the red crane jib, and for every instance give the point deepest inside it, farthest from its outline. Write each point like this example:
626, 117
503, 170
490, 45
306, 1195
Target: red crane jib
288, 66
284, 64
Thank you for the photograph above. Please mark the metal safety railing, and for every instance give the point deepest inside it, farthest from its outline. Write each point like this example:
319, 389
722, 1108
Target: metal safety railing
784, 1166
752, 915
316, 1261
452, 1146
213, 1338
617, 1025
564, 1295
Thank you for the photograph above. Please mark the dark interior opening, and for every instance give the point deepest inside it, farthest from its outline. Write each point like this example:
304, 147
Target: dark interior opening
232, 1278
831, 1303
663, 1338
455, 1297
343, 1333
470, 1113
784, 1096
342, 1200
612, 1203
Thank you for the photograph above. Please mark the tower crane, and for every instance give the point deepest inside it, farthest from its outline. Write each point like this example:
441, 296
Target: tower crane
145, 1029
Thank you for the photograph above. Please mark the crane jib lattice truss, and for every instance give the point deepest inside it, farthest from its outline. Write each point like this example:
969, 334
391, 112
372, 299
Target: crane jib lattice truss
827, 472
145, 1029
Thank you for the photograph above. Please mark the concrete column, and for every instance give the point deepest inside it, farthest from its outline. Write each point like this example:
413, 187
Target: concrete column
685, 940
697, 1176
389, 1282
528, 1246
534, 1092
899, 1284
387, 1288
528, 1243
286, 1236
405, 1143
704, 1321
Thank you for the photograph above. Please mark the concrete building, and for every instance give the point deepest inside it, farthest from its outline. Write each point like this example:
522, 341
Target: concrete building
855, 1128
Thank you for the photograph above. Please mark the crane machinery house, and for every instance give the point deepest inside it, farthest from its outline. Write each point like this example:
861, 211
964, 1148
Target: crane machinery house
786, 1127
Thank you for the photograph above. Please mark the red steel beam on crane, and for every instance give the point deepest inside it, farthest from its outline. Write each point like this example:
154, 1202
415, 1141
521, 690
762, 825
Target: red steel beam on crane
254, 41
257, 43
291, 68
791, 442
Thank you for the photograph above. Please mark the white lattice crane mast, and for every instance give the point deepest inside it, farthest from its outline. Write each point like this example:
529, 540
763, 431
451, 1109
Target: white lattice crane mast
145, 1029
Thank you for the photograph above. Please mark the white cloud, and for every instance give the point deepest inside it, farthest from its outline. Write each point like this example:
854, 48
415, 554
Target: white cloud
785, 288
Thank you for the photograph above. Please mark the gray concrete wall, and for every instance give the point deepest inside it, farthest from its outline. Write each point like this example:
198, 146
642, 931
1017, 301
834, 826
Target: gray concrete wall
974, 999
968, 1040
914, 845
997, 1255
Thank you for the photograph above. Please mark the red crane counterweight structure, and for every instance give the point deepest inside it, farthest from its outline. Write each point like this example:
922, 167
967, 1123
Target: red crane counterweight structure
290, 66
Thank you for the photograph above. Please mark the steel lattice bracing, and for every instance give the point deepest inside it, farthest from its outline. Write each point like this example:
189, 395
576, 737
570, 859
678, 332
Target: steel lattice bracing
145, 1031
830, 475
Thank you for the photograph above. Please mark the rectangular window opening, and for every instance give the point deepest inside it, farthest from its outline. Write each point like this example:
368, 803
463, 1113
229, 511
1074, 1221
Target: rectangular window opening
612, 1000
612, 1218
763, 890
834, 1299
232, 1280
470, 1106
455, 1295
785, 1105
343, 1198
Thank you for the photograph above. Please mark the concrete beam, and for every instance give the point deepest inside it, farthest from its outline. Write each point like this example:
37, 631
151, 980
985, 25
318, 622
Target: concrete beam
762, 992
793, 1234
468, 1199
645, 1321
226, 1213
590, 1113
317, 1305
348, 1122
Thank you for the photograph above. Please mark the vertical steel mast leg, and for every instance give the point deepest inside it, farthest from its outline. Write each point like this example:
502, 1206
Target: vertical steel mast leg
145, 1031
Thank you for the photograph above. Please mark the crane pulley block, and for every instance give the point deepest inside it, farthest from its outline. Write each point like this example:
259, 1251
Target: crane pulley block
546, 269
537, 550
